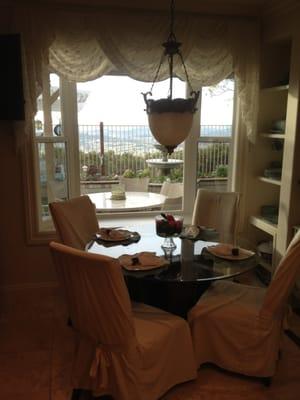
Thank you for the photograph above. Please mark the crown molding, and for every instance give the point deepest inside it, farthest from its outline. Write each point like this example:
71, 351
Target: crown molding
234, 8
277, 8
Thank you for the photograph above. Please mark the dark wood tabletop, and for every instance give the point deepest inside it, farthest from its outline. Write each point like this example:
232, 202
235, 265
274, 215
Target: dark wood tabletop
190, 261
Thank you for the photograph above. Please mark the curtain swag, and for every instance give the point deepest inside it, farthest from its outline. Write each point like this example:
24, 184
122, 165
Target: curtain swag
85, 46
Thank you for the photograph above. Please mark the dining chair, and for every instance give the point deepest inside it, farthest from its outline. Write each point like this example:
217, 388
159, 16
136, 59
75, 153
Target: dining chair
174, 193
239, 327
75, 221
218, 210
131, 352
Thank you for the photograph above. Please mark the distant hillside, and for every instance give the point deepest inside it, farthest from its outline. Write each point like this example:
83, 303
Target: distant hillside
133, 137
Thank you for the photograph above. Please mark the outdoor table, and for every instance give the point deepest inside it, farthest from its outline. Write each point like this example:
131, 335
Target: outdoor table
135, 201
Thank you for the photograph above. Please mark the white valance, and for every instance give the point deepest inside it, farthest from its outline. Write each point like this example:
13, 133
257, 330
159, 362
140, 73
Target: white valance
83, 46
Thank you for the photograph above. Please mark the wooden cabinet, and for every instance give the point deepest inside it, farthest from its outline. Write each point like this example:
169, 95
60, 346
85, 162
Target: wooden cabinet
277, 146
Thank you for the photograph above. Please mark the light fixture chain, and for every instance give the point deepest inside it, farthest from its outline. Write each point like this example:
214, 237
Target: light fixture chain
171, 76
185, 71
157, 72
172, 7
170, 120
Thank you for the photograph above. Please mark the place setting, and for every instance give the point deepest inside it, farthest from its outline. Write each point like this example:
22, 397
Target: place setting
143, 261
199, 232
228, 252
113, 236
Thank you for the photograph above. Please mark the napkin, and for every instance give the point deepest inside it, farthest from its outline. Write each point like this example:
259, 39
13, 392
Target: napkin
142, 261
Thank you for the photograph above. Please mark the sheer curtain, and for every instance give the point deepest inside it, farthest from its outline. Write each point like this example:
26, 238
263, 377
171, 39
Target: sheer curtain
83, 45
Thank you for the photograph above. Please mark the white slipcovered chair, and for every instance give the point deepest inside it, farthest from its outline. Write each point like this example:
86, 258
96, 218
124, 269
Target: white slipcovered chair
132, 352
239, 327
218, 210
174, 193
75, 221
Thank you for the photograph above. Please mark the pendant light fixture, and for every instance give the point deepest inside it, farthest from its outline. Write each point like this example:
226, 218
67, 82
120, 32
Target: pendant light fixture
170, 120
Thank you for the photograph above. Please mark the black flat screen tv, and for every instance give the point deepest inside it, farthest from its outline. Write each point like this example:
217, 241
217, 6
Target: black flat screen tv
11, 82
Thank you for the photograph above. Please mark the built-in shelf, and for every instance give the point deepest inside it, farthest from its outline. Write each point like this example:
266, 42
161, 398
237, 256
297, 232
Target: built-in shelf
264, 225
265, 265
275, 88
269, 180
263, 273
273, 135
296, 228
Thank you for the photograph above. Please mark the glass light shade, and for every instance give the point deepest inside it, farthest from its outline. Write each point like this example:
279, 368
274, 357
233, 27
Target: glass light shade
170, 128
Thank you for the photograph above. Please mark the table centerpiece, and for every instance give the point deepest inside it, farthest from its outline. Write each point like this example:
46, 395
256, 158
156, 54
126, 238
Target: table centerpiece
168, 226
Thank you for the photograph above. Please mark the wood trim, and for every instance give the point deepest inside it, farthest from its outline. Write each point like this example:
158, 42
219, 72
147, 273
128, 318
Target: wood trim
279, 7
213, 9
32, 234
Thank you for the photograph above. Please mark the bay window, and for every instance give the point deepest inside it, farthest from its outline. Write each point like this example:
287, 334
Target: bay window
76, 154
77, 49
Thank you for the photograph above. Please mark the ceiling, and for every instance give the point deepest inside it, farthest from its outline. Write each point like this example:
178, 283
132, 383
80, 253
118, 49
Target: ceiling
214, 7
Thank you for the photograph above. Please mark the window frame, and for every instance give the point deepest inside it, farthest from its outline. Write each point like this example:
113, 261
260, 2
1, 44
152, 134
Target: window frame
68, 97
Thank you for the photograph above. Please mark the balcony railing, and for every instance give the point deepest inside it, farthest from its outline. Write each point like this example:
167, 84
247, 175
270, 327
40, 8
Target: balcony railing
106, 151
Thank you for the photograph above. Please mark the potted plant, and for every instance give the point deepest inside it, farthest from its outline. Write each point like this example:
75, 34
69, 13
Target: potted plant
135, 181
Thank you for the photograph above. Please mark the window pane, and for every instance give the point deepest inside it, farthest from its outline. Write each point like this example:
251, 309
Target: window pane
48, 116
52, 177
215, 136
115, 140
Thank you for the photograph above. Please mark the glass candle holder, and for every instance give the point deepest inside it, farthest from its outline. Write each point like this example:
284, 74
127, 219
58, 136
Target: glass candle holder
168, 226
118, 192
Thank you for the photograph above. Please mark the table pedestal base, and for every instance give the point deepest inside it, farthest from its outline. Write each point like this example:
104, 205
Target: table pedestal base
175, 297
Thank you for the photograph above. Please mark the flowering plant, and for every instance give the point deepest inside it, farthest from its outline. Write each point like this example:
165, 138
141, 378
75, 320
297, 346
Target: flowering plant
168, 225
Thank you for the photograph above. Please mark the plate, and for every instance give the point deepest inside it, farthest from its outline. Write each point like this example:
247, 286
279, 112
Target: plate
114, 235
141, 261
224, 251
142, 267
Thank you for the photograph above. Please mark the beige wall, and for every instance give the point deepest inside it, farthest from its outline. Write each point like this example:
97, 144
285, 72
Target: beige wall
20, 263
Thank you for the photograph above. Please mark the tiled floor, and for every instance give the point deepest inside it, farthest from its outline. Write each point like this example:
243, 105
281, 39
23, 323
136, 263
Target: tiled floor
36, 348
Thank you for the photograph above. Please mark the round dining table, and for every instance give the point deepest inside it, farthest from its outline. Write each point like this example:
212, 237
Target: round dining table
177, 286
134, 201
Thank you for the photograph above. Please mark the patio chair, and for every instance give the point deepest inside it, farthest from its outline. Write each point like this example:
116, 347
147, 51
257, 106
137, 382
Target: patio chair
239, 327
75, 221
129, 352
57, 190
174, 193
135, 184
218, 210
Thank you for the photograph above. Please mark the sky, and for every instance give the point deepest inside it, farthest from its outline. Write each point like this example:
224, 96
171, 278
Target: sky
117, 100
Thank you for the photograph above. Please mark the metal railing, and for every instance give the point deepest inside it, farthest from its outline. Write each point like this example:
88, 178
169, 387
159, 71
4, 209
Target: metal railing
108, 150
